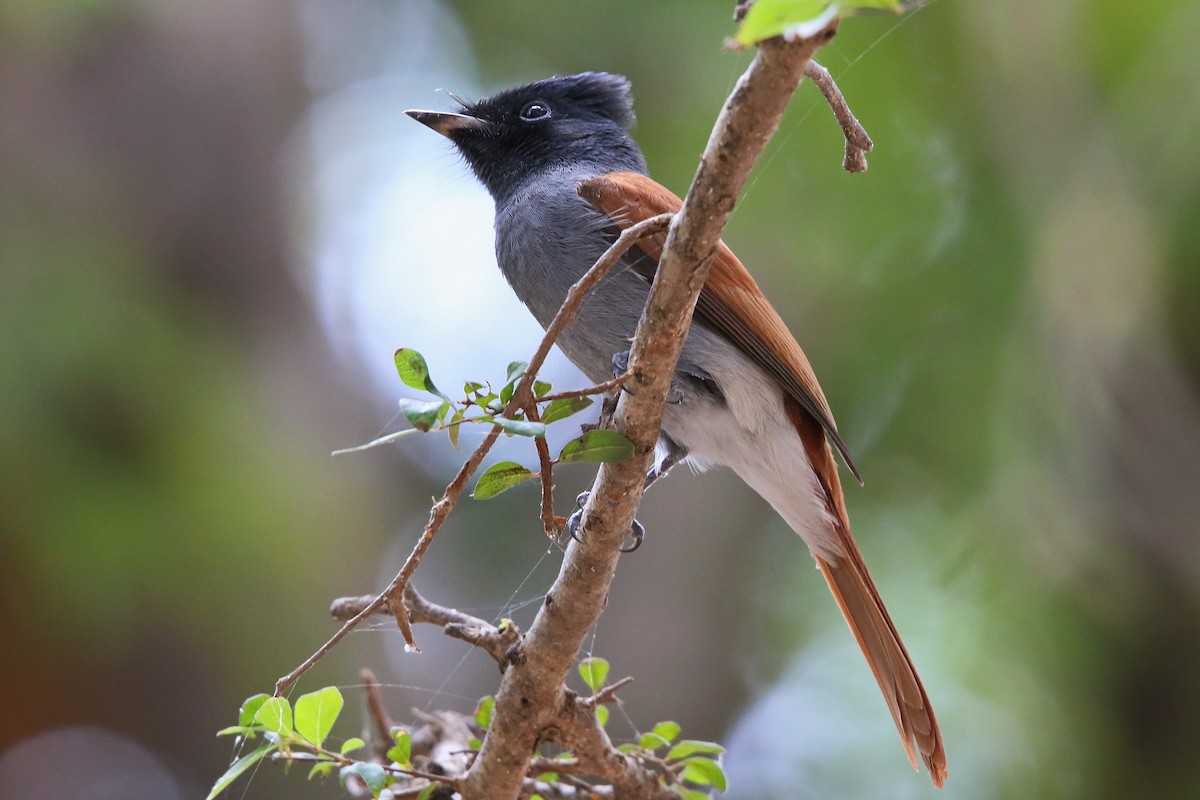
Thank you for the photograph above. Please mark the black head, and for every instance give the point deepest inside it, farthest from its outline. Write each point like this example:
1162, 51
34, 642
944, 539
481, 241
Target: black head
563, 122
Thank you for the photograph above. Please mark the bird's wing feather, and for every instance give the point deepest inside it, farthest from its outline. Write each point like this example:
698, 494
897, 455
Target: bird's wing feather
730, 302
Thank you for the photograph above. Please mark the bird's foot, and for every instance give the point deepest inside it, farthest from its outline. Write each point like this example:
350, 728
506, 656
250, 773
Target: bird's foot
620, 363
636, 532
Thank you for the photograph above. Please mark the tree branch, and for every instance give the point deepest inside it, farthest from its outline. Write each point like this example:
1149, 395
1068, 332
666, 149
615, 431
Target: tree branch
858, 143
532, 700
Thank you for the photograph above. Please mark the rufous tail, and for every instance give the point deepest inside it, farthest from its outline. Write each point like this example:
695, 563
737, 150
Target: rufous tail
868, 618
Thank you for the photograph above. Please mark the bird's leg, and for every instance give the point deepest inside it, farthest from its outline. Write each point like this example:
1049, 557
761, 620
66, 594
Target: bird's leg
673, 455
620, 363
637, 532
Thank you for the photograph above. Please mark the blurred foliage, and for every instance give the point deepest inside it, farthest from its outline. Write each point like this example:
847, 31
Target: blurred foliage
1002, 312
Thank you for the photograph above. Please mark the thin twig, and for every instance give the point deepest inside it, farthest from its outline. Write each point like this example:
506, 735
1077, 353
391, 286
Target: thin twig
858, 143
608, 694
376, 709
612, 256
545, 473
437, 515
599, 388
496, 642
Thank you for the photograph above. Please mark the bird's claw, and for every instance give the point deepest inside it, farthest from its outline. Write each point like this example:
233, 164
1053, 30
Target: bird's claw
637, 531
620, 364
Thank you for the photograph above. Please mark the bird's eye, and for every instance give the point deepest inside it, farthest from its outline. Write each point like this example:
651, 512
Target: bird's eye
537, 110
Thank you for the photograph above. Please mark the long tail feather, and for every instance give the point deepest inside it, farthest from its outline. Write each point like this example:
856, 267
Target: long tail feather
861, 605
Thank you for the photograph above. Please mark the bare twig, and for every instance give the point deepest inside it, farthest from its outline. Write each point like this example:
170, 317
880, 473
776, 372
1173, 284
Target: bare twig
600, 388
612, 256
496, 642
858, 143
545, 474
377, 710
608, 694
532, 699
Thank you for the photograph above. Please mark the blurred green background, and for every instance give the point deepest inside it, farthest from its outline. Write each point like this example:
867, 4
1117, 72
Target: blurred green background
1004, 312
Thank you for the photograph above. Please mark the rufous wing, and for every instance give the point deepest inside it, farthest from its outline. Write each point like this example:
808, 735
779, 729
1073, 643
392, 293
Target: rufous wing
731, 303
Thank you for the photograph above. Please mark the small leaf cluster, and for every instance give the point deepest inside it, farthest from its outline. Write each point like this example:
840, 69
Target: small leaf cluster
596, 445
298, 733
482, 404
689, 762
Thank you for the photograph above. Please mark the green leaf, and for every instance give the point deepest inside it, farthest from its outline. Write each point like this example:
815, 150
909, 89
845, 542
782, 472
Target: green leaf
422, 414
801, 18
241, 730
500, 478
454, 428
250, 707
521, 427
427, 792
691, 747
474, 743
594, 672
548, 777
275, 714
541, 388
373, 775
628, 747
564, 407
415, 372
316, 712
689, 794
597, 445
238, 767
652, 741
667, 730
352, 744
602, 715
321, 769
401, 752
515, 370
705, 772
483, 711
388, 439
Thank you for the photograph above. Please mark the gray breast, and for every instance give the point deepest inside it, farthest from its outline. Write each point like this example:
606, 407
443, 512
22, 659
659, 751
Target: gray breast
547, 237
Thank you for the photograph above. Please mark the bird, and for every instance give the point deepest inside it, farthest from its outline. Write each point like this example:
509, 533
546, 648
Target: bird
559, 161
